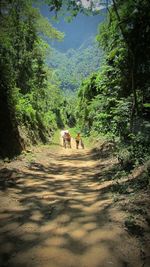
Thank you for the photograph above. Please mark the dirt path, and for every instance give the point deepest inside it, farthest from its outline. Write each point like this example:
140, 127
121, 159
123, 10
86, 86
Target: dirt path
55, 213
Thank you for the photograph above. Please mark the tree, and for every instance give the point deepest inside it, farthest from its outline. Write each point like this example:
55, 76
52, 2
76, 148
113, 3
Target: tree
121, 107
22, 70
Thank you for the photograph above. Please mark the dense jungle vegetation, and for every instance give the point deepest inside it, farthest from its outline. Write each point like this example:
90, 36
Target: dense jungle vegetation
112, 101
75, 65
29, 89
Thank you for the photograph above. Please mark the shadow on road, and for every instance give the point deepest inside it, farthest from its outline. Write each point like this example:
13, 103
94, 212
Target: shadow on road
60, 214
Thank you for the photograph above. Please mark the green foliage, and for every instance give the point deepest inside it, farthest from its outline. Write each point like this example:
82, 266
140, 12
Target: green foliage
115, 101
74, 65
68, 109
29, 89
71, 8
47, 30
24, 109
132, 227
134, 152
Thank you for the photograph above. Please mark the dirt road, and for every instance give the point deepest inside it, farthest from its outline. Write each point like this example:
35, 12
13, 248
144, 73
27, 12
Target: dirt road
54, 212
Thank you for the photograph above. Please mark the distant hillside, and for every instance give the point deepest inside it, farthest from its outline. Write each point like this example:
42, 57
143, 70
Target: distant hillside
80, 29
77, 55
75, 65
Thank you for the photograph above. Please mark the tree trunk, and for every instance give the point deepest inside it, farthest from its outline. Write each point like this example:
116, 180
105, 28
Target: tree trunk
134, 111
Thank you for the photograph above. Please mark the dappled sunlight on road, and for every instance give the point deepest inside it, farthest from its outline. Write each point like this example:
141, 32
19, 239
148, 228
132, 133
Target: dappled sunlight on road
59, 215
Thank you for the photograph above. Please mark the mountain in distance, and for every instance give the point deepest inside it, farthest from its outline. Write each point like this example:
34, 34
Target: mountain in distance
78, 55
75, 65
80, 29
